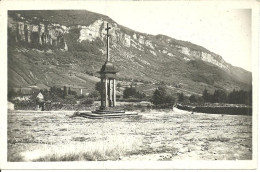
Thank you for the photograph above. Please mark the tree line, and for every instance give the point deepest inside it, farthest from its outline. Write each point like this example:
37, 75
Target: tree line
234, 97
162, 98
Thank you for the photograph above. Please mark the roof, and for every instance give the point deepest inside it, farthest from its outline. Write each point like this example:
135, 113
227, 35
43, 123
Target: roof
119, 93
108, 67
40, 96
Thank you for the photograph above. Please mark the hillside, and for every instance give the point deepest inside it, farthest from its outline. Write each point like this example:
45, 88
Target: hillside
47, 48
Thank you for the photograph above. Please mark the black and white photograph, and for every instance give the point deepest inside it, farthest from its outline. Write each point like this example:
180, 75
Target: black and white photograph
138, 84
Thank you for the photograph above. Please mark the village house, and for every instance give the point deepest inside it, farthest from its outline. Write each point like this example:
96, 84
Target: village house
10, 106
40, 102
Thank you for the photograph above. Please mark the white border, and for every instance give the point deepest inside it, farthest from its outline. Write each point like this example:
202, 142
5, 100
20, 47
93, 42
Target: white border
57, 4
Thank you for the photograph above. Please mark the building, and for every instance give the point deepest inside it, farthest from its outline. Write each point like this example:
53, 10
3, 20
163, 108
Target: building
10, 106
40, 102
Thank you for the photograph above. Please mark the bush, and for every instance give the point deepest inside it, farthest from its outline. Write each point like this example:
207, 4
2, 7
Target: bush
88, 101
193, 98
161, 98
70, 99
94, 94
129, 107
100, 87
129, 92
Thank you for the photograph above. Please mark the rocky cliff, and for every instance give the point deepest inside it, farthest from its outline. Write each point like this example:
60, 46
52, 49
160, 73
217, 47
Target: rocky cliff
36, 31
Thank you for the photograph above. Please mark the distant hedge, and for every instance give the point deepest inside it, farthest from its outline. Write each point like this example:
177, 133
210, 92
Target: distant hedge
219, 109
53, 106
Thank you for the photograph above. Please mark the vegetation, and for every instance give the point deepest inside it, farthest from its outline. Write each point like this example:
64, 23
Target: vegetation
55, 98
94, 94
234, 97
240, 97
133, 93
100, 87
183, 99
161, 98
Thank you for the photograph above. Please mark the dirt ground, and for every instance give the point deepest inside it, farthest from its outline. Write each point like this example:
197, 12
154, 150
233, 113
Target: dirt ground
158, 135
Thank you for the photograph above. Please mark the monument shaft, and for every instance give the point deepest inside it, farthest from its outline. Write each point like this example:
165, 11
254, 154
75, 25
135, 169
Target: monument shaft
108, 80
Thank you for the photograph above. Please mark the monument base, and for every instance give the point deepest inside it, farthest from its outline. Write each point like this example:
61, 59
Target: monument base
110, 112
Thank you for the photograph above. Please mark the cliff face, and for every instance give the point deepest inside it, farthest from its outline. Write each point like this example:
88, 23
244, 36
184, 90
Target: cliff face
75, 42
141, 41
35, 32
43, 33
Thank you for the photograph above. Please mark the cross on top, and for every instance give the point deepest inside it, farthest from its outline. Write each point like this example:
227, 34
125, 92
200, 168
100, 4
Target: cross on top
107, 29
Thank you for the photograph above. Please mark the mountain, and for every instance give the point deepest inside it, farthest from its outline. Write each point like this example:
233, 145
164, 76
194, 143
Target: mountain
68, 47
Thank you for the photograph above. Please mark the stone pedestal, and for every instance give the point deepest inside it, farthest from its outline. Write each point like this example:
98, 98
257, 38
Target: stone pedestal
108, 81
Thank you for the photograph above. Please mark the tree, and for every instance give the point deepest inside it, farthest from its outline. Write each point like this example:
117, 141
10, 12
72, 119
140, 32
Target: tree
100, 87
70, 99
206, 96
129, 92
12, 94
65, 93
94, 94
119, 86
56, 91
219, 96
240, 97
248, 100
159, 96
69, 92
88, 101
170, 100
186, 100
180, 97
73, 93
200, 100
193, 98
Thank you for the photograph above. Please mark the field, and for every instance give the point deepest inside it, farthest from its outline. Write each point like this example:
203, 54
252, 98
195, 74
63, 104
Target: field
158, 135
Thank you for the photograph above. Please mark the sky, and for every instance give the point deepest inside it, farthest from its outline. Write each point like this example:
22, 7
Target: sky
224, 31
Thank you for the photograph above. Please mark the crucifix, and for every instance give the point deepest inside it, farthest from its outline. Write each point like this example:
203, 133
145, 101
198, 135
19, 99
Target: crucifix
107, 29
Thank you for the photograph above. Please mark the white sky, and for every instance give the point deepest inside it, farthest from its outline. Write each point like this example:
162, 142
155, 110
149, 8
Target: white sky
226, 32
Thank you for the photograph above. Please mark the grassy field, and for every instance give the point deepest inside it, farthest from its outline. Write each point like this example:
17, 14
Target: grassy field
158, 135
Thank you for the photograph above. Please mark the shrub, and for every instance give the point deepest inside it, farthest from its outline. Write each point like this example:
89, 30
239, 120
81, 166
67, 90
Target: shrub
94, 94
100, 87
70, 99
161, 98
88, 101
193, 98
129, 92
129, 107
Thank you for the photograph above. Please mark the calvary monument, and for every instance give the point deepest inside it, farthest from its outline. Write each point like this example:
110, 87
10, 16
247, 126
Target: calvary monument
108, 80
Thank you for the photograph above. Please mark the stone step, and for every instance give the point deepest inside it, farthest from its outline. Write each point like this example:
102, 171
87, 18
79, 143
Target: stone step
111, 115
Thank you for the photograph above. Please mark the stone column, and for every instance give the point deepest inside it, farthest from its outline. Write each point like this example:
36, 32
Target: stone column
102, 93
108, 57
39, 32
114, 92
110, 93
106, 102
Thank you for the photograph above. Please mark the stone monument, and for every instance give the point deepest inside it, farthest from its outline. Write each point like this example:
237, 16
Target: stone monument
108, 80
108, 94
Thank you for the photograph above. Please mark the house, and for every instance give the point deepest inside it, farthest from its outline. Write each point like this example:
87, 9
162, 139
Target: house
40, 97
40, 102
10, 106
23, 98
119, 95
